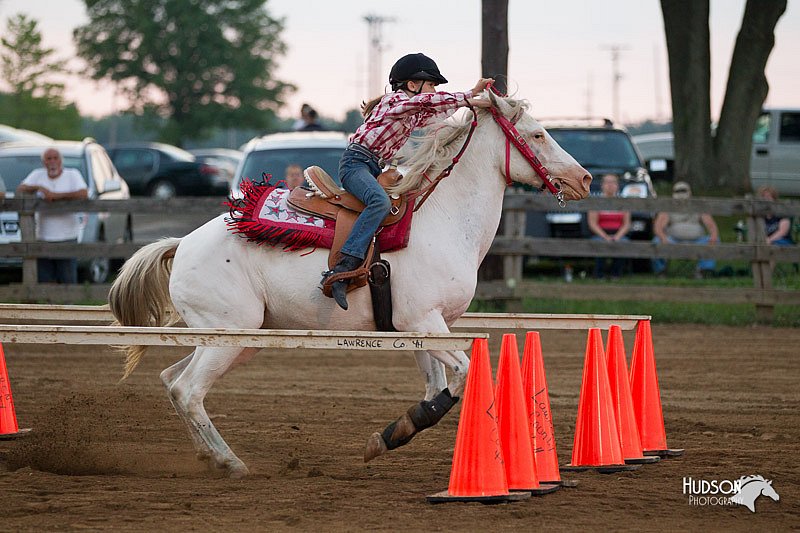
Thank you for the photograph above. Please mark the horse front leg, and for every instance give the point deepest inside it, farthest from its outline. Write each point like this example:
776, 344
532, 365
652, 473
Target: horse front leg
428, 412
433, 371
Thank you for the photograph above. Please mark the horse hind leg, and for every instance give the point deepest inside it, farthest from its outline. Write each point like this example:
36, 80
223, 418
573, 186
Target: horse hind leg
187, 394
168, 377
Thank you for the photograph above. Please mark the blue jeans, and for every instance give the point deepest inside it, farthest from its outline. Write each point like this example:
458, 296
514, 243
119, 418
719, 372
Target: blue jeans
57, 270
660, 265
617, 263
358, 173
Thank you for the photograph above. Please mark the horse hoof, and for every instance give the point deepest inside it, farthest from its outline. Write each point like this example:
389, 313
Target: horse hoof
375, 447
238, 472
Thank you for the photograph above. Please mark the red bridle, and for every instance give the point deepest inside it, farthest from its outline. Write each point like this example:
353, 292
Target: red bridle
512, 137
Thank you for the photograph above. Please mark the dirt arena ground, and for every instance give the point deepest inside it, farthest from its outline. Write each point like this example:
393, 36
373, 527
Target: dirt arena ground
106, 456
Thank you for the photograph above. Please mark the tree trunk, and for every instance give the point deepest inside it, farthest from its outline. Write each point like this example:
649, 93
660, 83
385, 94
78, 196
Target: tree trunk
687, 33
745, 93
494, 64
494, 42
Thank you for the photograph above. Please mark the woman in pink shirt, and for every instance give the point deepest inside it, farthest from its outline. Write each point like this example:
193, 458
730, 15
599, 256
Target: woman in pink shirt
389, 121
609, 226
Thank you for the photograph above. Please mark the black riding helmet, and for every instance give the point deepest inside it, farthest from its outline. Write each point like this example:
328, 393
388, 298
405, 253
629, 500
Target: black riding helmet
414, 67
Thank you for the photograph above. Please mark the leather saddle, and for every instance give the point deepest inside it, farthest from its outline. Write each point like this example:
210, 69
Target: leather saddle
324, 198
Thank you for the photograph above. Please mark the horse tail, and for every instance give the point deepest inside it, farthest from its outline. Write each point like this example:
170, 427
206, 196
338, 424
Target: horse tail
140, 294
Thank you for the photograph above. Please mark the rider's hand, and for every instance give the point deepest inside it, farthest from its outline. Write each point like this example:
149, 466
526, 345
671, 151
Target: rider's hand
480, 102
481, 85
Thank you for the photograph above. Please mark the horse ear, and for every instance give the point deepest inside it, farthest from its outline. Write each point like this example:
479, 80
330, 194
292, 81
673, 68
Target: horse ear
492, 97
769, 482
499, 102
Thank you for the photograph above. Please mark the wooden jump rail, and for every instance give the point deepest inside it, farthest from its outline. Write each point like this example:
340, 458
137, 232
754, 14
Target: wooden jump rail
256, 338
100, 314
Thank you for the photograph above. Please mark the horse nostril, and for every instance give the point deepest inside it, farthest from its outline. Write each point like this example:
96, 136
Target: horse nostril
587, 181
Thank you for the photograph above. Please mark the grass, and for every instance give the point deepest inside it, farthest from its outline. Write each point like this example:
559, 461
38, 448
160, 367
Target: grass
680, 273
662, 312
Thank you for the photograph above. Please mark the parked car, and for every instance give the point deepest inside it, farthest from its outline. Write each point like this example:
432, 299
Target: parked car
601, 147
17, 160
225, 159
164, 171
9, 134
657, 153
272, 154
775, 160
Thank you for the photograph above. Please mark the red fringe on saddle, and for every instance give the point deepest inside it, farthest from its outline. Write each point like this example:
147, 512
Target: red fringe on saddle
244, 220
277, 224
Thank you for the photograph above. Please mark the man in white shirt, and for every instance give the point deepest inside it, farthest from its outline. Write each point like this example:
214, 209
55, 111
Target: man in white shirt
54, 183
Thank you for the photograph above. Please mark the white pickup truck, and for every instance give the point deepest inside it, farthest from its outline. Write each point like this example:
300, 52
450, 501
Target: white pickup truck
775, 159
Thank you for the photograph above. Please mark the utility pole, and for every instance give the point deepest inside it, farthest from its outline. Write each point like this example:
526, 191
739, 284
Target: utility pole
375, 48
615, 49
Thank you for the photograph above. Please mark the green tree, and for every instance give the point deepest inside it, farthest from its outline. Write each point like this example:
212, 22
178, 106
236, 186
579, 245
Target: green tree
35, 100
202, 64
26, 65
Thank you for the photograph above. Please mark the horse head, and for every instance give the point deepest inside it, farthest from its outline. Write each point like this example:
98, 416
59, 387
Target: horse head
751, 487
565, 173
767, 490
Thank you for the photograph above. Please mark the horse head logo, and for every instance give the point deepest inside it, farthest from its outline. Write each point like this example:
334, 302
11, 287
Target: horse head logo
751, 488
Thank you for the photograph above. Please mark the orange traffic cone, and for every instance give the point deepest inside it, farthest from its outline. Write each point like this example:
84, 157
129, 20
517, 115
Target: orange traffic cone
596, 435
512, 422
8, 417
621, 398
478, 473
647, 396
537, 399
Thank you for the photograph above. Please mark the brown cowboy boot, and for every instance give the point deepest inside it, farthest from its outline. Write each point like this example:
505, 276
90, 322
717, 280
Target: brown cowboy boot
346, 263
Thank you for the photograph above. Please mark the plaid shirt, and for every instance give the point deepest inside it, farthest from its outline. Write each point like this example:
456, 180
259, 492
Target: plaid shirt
393, 119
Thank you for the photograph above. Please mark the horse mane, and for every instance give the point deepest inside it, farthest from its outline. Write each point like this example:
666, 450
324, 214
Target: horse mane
432, 152
744, 480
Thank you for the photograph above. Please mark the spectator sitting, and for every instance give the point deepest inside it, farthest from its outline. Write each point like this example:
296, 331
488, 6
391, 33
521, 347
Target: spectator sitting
778, 229
611, 226
294, 176
55, 183
682, 228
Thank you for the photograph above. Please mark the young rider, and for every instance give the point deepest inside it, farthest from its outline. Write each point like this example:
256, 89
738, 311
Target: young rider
389, 121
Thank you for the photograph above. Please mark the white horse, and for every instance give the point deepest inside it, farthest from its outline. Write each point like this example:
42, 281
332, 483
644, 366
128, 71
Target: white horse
213, 278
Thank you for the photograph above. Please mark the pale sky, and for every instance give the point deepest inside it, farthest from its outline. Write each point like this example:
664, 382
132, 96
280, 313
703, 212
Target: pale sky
559, 58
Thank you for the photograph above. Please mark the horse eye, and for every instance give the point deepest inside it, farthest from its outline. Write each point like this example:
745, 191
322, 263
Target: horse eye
538, 135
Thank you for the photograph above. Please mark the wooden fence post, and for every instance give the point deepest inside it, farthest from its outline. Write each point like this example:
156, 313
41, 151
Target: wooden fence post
27, 230
762, 269
513, 227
